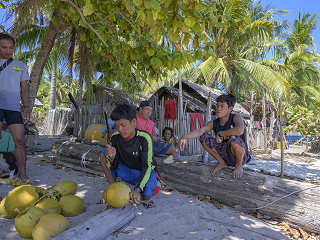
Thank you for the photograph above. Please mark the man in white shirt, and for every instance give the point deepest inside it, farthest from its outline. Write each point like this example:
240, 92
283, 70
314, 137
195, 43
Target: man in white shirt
13, 80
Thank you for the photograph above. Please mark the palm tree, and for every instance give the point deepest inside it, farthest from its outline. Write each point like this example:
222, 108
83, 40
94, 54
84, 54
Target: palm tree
240, 34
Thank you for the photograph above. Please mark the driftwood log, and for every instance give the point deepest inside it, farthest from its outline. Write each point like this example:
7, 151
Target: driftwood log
100, 226
253, 190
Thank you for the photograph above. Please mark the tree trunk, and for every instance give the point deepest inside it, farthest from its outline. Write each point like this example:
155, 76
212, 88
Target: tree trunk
315, 145
253, 190
272, 118
41, 59
53, 92
83, 71
71, 52
17, 24
264, 123
281, 138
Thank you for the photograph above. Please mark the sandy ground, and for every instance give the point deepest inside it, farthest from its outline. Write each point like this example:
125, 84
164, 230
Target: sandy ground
297, 164
175, 215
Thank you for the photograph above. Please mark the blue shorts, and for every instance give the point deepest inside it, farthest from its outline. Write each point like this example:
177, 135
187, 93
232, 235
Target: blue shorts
11, 117
160, 147
131, 176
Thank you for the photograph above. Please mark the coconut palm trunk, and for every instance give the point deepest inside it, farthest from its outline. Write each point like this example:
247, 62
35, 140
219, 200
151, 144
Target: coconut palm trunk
41, 59
17, 25
53, 92
272, 118
281, 138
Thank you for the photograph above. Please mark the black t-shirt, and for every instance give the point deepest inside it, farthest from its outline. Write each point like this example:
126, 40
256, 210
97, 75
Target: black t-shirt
229, 124
136, 153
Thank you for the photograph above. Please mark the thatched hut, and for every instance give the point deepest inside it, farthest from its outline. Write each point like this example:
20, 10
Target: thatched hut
195, 98
190, 104
89, 113
202, 92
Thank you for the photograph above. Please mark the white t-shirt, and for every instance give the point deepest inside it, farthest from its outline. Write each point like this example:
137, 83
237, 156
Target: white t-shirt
10, 79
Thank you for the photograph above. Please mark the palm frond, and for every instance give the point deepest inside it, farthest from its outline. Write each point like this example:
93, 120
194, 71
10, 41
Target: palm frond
271, 79
215, 70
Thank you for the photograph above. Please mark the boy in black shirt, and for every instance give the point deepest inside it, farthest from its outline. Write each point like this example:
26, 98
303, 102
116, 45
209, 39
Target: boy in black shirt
131, 155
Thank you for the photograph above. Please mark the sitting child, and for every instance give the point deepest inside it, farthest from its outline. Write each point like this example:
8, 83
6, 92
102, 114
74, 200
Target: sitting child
8, 165
168, 136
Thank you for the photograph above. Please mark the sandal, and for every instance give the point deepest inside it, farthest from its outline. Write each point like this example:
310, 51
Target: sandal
148, 204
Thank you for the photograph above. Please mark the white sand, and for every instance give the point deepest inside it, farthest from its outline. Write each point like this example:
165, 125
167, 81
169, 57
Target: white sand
175, 215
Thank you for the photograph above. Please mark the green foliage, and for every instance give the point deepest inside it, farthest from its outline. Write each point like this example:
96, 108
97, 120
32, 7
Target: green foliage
301, 33
239, 35
304, 120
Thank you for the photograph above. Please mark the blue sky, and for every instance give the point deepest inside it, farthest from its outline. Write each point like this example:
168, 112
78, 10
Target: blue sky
294, 7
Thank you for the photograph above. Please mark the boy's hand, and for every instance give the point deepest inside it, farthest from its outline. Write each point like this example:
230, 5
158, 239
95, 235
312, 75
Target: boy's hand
136, 196
111, 152
182, 143
218, 139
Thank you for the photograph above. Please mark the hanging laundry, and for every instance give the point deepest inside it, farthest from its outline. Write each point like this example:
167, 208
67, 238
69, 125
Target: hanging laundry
193, 120
170, 109
258, 125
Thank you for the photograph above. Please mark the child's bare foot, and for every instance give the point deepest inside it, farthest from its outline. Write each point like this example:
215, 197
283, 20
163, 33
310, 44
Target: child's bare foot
217, 168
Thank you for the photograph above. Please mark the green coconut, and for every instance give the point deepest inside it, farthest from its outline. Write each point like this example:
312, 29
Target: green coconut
71, 205
49, 205
20, 198
49, 226
66, 187
3, 211
26, 221
117, 194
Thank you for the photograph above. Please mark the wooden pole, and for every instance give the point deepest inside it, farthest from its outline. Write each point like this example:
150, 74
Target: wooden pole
209, 103
91, 229
180, 100
271, 126
264, 123
251, 120
281, 138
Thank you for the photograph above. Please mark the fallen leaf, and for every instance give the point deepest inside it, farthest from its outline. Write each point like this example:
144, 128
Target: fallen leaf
216, 203
201, 197
238, 207
259, 215
304, 235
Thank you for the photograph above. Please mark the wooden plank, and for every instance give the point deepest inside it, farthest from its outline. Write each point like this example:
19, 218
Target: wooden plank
100, 226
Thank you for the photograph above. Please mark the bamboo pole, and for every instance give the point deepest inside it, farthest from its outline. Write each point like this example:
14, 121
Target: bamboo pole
180, 100
264, 123
281, 138
209, 103
251, 120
